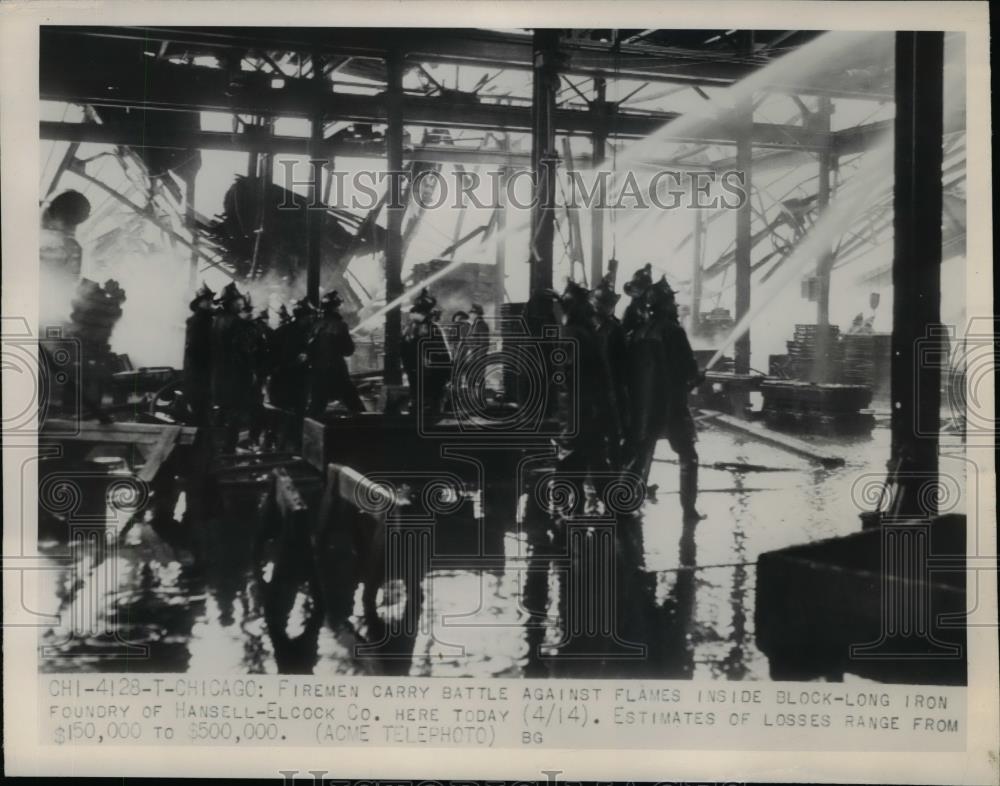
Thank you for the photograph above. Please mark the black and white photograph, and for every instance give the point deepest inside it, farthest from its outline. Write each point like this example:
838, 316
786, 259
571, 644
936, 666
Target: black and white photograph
510, 356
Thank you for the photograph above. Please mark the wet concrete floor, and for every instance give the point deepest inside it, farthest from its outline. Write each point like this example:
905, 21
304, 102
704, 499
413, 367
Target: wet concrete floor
196, 602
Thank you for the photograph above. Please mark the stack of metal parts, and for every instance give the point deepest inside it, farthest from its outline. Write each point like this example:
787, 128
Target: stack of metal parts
802, 360
808, 407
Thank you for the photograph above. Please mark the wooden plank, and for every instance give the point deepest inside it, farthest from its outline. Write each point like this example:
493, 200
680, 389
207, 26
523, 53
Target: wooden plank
66, 425
134, 433
161, 452
104, 437
784, 441
314, 443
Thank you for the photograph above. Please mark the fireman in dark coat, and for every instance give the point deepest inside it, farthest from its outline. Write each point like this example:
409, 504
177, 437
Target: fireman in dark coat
328, 348
479, 333
261, 336
423, 345
588, 422
636, 311
461, 321
198, 356
232, 363
663, 371
251, 398
681, 431
540, 318
297, 371
614, 350
282, 357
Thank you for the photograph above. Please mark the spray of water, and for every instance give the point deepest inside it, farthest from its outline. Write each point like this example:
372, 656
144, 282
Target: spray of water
396, 302
829, 53
870, 185
371, 319
818, 62
861, 192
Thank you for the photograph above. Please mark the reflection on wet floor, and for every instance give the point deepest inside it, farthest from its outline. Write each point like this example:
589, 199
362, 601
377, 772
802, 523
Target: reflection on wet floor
203, 597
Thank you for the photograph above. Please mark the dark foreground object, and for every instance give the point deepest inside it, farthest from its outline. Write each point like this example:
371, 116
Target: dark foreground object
887, 603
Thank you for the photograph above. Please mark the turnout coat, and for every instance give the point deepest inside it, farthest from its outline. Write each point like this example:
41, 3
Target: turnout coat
662, 370
328, 348
198, 358
233, 362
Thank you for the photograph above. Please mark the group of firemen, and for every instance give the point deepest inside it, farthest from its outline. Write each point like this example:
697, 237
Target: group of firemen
630, 387
439, 363
623, 389
232, 356
627, 390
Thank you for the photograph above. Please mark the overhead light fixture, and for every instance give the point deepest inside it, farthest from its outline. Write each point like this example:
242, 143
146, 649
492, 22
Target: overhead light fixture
277, 82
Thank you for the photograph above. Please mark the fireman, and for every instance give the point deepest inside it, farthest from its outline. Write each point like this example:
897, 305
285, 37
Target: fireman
198, 356
262, 337
282, 356
586, 412
680, 429
636, 312
662, 372
425, 356
614, 351
479, 333
462, 325
285, 384
232, 363
297, 370
328, 348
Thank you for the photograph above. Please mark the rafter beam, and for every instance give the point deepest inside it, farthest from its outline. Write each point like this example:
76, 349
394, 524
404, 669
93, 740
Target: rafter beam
171, 86
475, 47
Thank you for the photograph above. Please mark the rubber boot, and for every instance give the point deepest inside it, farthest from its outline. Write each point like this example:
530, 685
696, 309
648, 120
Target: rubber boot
689, 490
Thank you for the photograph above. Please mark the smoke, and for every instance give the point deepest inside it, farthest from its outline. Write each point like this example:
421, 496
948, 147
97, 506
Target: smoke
151, 328
55, 296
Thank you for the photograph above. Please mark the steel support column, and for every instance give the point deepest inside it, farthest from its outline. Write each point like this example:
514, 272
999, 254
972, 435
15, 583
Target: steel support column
394, 214
314, 214
543, 157
597, 211
824, 266
916, 269
744, 243
268, 173
696, 271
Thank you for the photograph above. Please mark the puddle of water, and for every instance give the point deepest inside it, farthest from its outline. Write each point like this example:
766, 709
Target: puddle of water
193, 596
